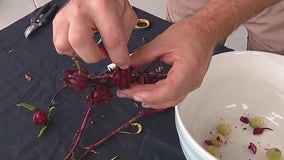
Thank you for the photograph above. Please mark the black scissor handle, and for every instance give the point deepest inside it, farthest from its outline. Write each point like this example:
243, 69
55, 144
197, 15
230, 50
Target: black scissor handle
50, 13
45, 13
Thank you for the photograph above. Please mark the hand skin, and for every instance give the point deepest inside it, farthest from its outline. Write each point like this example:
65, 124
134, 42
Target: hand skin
188, 46
75, 24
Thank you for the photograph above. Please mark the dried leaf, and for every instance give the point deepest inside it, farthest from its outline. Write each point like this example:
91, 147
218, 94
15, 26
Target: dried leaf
11, 52
139, 129
28, 77
114, 158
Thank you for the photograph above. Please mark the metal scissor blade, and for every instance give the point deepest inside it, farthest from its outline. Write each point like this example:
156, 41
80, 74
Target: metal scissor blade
29, 30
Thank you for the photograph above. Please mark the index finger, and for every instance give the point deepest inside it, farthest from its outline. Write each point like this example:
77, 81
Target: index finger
165, 92
112, 32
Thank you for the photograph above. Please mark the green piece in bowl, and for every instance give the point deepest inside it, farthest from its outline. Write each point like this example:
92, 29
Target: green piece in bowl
273, 154
213, 150
224, 129
256, 122
218, 139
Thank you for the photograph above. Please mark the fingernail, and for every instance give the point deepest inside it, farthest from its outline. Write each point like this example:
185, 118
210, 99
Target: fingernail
138, 99
145, 105
124, 67
120, 95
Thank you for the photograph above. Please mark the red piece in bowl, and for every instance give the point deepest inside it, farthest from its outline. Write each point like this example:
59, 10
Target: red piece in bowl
244, 120
252, 147
257, 131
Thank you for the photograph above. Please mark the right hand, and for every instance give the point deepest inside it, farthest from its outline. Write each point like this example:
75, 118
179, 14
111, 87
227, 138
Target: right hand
75, 24
187, 46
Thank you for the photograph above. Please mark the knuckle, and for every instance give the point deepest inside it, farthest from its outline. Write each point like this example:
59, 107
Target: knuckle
113, 41
60, 45
75, 39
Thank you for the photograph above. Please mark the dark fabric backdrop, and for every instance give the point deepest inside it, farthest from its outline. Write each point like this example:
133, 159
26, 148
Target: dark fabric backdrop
37, 57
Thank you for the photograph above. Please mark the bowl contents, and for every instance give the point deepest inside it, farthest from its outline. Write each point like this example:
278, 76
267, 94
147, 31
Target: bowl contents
213, 150
244, 119
257, 131
252, 147
224, 129
256, 122
218, 139
273, 154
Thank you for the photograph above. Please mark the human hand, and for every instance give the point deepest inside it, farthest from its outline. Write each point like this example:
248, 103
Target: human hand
75, 24
188, 49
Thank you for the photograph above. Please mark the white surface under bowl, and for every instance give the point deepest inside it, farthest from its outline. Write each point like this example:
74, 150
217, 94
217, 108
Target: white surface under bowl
240, 83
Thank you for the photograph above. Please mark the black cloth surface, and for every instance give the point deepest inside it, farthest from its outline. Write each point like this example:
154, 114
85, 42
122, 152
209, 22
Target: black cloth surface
37, 57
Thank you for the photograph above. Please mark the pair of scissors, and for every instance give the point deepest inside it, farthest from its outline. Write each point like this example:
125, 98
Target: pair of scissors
41, 17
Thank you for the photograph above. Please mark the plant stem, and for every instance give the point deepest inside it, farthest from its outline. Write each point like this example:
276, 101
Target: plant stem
99, 77
116, 131
82, 128
51, 104
78, 65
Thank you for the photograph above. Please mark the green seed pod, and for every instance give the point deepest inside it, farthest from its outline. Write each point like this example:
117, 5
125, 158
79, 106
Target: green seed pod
273, 154
224, 129
256, 122
213, 150
218, 139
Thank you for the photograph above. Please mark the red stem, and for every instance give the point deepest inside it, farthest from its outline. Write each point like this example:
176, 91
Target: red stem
57, 94
99, 76
82, 128
116, 131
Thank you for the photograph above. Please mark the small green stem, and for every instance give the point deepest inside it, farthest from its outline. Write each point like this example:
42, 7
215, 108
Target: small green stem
51, 104
77, 63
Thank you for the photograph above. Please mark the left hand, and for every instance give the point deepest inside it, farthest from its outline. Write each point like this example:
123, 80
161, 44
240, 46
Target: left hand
76, 22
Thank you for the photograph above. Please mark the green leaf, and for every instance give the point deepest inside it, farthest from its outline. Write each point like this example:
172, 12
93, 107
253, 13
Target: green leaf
42, 130
27, 106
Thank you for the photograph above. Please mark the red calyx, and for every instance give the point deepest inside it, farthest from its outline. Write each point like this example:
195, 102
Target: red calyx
122, 77
99, 95
40, 117
76, 79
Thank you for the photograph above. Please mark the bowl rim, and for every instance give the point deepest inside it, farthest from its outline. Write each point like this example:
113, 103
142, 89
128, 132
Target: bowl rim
190, 139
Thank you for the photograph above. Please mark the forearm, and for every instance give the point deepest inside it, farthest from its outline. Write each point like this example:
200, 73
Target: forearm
220, 17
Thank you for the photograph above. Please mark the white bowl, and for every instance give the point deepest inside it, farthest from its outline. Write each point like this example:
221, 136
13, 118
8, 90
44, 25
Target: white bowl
243, 83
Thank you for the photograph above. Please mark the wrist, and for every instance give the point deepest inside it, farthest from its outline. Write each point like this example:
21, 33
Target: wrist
198, 30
